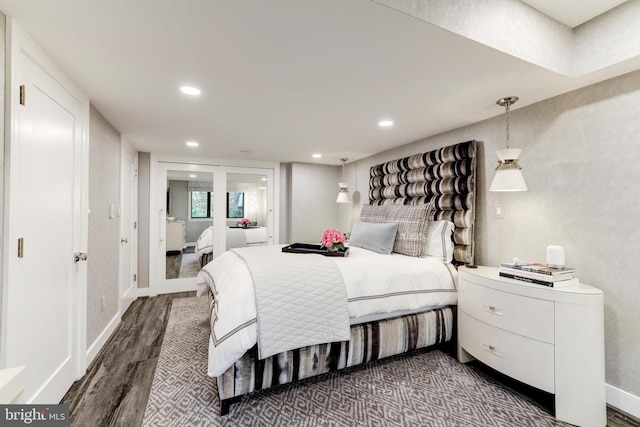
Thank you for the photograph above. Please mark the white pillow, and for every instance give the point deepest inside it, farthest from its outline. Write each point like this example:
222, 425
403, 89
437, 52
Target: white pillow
377, 237
439, 242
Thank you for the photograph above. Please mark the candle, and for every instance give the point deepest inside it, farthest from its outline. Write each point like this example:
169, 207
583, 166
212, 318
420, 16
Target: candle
555, 256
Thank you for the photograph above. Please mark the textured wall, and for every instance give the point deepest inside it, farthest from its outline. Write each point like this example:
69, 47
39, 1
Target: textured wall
580, 162
313, 207
144, 176
104, 232
285, 203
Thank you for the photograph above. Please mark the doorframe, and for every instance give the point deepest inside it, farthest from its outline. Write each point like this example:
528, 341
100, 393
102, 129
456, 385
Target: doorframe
18, 41
126, 147
219, 184
157, 226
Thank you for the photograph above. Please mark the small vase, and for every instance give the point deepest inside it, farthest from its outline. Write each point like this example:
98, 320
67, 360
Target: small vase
244, 225
332, 249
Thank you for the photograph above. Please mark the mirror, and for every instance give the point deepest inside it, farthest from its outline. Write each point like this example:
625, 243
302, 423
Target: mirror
189, 219
246, 210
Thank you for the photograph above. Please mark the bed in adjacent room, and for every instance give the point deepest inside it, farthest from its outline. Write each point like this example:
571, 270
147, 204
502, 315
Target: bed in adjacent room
237, 237
280, 317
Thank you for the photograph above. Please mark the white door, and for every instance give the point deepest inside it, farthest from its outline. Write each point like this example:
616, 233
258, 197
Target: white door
128, 240
47, 195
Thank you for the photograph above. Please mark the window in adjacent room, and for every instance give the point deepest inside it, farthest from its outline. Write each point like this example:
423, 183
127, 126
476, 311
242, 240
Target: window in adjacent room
201, 204
235, 205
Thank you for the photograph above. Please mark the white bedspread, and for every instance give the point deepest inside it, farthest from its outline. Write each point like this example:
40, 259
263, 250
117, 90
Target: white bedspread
374, 283
204, 244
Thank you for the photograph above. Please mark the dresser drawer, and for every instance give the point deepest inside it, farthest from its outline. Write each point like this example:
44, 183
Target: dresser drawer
524, 316
524, 359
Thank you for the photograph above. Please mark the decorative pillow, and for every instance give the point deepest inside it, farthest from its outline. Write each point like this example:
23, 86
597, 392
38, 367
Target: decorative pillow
373, 213
412, 227
377, 237
439, 241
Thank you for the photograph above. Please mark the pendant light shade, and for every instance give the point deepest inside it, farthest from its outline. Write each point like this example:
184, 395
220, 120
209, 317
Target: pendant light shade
508, 175
343, 194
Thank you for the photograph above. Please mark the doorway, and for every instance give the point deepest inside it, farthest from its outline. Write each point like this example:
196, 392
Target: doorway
128, 227
44, 312
199, 216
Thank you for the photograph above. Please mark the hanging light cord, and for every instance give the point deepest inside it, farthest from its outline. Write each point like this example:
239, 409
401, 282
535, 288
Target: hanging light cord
507, 131
344, 159
506, 103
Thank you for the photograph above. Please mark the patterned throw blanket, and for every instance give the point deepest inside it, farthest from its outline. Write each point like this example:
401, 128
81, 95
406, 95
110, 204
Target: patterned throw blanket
301, 300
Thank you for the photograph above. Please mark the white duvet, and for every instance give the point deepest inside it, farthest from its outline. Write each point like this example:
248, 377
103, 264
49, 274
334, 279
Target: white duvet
375, 283
204, 244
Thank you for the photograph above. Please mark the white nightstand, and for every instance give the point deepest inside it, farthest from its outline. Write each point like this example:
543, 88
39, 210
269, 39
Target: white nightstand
549, 338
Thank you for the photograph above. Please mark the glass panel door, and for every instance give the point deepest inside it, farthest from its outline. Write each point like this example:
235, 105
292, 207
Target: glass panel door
185, 224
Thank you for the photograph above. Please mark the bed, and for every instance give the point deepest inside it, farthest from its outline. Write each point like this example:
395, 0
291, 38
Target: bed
237, 237
385, 298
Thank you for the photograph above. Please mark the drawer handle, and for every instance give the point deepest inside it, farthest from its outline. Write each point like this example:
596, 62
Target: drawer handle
491, 349
492, 309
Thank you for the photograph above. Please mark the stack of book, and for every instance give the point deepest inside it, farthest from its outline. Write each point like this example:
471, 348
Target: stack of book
539, 274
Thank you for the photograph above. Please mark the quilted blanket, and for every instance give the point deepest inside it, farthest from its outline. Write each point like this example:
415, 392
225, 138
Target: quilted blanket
299, 301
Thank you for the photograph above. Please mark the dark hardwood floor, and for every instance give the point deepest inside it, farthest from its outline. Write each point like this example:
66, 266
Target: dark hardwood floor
115, 389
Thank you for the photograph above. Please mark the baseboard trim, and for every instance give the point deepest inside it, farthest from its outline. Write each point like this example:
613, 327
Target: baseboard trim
624, 401
102, 339
142, 292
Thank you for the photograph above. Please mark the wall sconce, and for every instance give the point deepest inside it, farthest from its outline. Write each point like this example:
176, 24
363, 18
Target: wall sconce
508, 176
343, 194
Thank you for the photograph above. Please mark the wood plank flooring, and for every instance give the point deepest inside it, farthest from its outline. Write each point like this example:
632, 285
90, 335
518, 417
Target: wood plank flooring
115, 389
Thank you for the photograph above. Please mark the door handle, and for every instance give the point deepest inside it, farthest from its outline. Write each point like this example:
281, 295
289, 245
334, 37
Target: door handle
79, 256
124, 240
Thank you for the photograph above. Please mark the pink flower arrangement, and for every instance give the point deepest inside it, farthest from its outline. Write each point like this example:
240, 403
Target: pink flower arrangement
333, 239
245, 222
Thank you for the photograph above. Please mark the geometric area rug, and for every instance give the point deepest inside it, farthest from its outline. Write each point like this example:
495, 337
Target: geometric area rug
424, 388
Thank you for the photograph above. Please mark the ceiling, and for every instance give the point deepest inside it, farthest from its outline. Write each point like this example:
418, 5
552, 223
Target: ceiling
573, 12
281, 79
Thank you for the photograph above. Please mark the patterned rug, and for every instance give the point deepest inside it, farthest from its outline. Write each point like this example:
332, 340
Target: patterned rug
422, 389
190, 265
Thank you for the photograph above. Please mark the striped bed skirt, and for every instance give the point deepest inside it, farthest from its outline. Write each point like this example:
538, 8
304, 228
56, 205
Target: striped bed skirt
369, 342
206, 259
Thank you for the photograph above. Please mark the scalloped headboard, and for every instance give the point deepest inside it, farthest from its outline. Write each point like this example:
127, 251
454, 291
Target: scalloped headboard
445, 177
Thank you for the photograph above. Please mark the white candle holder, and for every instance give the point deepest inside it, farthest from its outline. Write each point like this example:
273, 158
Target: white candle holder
555, 256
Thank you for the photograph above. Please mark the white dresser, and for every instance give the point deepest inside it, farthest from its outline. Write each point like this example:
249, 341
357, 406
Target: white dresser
175, 236
549, 338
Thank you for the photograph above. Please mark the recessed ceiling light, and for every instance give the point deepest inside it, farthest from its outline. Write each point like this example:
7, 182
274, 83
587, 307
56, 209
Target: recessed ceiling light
192, 176
192, 144
316, 155
385, 123
190, 90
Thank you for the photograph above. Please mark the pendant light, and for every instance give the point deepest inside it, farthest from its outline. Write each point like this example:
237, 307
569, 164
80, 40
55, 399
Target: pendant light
508, 176
343, 194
